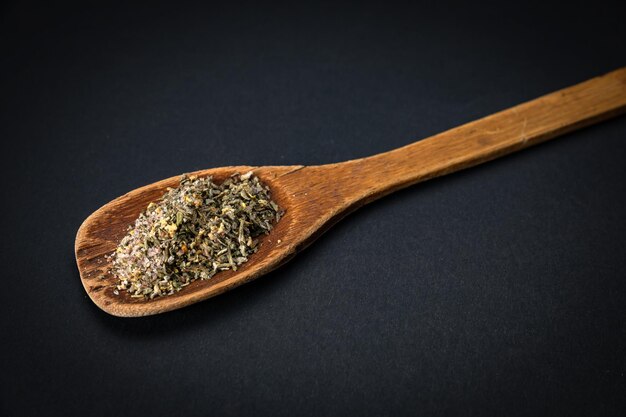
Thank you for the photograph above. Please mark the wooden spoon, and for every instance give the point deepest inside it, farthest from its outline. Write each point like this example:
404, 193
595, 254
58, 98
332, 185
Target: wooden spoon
315, 197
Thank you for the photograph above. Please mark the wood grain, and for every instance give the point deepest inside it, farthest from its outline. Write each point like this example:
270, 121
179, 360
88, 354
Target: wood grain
315, 197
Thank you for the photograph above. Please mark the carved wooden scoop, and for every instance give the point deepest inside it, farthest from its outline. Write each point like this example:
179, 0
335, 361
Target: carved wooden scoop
315, 197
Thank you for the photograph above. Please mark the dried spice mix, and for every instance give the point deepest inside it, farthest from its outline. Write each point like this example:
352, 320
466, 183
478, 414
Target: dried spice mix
196, 230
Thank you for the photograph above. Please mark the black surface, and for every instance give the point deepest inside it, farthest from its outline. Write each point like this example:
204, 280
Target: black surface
496, 291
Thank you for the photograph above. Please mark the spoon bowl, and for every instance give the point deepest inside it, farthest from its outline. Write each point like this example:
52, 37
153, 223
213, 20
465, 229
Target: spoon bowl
315, 197
102, 231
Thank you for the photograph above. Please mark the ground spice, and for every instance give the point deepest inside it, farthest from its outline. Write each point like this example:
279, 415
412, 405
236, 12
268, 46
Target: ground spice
196, 230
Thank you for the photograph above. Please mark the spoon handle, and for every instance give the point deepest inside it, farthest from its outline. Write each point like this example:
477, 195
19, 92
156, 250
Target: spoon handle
496, 135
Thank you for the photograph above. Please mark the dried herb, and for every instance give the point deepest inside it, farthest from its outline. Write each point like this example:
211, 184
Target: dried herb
196, 230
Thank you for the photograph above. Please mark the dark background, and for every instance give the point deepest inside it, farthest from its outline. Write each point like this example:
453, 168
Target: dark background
495, 291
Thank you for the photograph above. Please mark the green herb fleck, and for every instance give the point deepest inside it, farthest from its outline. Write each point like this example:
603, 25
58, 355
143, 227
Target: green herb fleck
196, 230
